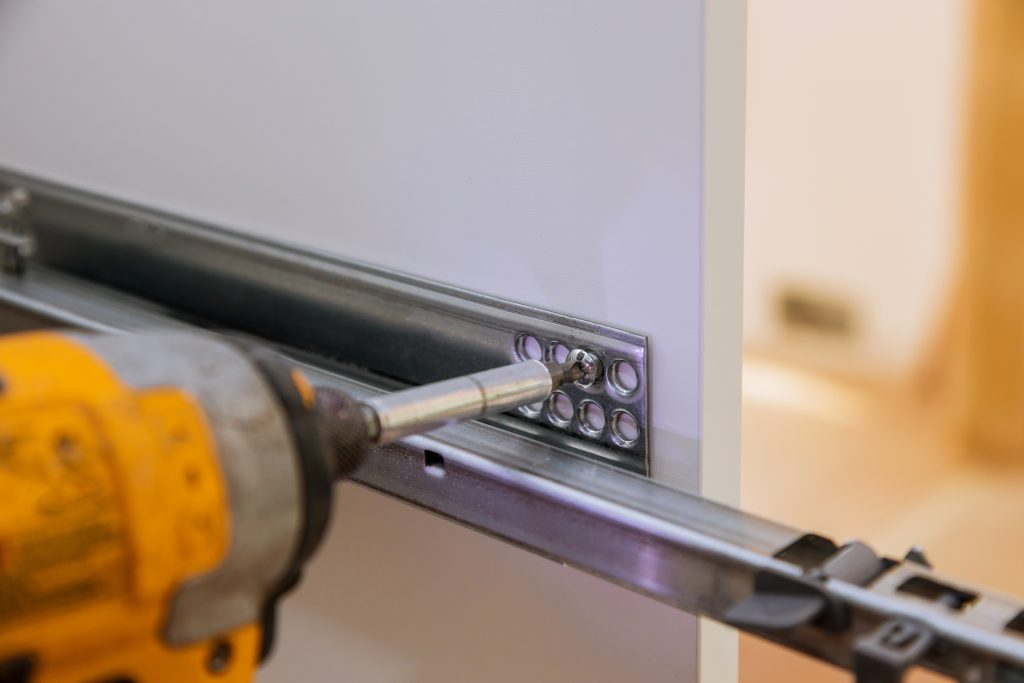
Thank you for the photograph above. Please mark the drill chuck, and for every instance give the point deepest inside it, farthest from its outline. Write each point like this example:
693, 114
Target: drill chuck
345, 428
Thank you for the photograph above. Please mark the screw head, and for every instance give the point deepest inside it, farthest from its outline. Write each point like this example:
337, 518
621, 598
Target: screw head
590, 364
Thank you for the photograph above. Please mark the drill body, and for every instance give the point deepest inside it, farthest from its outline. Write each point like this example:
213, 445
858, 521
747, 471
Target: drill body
160, 492
158, 497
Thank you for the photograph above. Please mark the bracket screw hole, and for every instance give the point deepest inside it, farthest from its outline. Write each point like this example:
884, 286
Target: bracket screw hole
560, 409
625, 428
624, 377
558, 352
591, 418
528, 348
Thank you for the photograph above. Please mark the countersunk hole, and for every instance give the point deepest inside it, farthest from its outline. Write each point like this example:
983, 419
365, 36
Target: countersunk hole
623, 377
591, 418
528, 348
625, 428
560, 409
433, 463
558, 352
532, 410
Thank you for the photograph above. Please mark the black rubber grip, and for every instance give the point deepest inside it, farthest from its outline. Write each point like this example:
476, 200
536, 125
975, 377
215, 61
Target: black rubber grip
344, 428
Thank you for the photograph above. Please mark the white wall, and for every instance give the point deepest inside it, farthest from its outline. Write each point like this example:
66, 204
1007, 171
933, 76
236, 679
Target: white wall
854, 132
552, 152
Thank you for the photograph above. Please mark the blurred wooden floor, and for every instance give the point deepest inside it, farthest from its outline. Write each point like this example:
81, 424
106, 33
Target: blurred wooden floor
856, 462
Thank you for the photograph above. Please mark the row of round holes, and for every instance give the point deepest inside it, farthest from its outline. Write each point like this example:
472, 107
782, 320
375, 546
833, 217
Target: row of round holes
625, 431
621, 374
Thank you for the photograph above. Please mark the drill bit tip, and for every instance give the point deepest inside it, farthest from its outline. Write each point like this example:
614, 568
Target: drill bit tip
581, 367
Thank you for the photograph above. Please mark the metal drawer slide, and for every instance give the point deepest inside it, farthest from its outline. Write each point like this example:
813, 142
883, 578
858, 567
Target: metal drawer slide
845, 605
393, 325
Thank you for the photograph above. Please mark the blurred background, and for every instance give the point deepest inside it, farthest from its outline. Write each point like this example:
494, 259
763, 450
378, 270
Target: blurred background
884, 283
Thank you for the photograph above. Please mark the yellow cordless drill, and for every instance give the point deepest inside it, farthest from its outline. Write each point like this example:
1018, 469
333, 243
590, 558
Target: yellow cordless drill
160, 492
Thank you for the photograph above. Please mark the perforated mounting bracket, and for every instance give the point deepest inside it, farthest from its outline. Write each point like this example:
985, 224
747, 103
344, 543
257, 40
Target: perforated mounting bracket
400, 327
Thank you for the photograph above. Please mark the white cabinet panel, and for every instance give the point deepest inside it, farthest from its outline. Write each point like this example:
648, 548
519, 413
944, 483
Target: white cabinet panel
547, 151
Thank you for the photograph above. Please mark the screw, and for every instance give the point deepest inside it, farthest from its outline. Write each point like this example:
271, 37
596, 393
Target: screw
590, 365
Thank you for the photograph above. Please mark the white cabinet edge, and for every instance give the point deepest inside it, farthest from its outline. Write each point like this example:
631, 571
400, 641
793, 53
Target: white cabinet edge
725, 38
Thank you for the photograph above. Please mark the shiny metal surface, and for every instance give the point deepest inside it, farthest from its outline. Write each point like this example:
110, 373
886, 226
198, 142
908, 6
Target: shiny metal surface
16, 241
676, 548
426, 408
409, 329
590, 365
